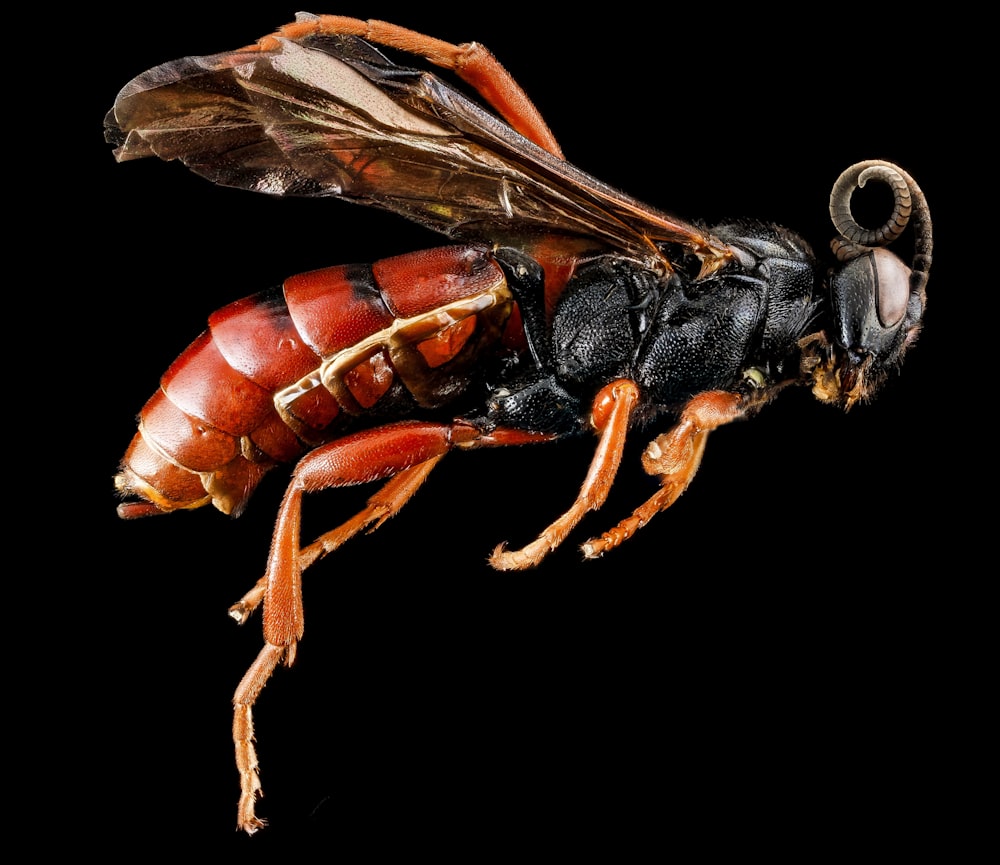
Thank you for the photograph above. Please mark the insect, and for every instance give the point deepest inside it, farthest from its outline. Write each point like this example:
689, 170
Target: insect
562, 307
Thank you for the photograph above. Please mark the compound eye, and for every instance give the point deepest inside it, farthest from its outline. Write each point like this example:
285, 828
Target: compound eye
892, 286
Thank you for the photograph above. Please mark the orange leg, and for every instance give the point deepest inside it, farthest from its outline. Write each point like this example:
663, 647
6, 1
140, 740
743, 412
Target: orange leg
246, 755
471, 62
675, 457
405, 452
386, 503
612, 410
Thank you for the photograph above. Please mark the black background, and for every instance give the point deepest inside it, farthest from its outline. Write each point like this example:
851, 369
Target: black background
779, 626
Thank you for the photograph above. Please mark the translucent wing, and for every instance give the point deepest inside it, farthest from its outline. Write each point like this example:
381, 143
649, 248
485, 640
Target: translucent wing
332, 116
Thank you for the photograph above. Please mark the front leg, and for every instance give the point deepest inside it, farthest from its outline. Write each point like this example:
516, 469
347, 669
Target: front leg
675, 457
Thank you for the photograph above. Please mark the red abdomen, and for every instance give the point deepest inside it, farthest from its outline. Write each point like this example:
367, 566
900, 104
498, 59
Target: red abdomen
280, 372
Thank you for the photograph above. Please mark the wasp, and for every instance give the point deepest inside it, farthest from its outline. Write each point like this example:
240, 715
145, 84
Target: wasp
561, 307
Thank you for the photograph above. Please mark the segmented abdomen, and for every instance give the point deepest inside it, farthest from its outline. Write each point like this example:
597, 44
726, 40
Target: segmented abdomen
276, 373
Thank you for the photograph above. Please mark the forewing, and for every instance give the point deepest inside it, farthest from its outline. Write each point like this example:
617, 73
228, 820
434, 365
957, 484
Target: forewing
332, 116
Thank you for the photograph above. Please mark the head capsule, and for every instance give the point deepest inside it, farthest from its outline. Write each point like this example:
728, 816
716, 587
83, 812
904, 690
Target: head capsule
876, 301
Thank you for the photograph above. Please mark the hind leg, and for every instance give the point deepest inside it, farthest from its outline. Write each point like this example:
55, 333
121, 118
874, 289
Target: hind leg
405, 452
386, 503
471, 62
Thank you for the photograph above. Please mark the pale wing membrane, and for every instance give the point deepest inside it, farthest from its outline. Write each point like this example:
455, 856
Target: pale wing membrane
332, 116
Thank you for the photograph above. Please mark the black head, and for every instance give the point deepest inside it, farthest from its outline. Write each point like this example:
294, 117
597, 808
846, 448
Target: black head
876, 301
